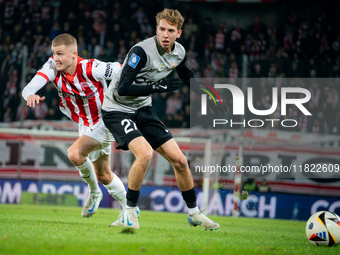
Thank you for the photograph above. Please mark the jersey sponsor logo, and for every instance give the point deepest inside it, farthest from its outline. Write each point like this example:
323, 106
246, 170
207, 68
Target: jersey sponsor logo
108, 70
134, 59
161, 68
66, 95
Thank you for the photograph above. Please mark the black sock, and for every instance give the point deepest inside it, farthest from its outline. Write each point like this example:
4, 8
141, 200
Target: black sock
189, 197
132, 197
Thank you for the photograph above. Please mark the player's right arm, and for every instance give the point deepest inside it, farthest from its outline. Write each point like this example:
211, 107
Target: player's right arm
130, 86
43, 76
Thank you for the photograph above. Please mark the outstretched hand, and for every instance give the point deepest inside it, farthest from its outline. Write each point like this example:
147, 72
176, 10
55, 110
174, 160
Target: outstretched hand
32, 100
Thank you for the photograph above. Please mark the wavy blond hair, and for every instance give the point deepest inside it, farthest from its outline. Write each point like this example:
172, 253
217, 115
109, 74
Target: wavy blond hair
174, 17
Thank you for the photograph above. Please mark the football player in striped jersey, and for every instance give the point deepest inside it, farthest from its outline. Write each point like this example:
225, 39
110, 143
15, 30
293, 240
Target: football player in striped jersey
81, 84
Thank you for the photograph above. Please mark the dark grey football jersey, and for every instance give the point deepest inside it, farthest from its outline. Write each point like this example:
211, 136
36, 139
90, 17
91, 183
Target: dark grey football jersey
146, 63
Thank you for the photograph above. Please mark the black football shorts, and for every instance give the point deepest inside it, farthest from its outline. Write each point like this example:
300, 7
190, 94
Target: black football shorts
127, 126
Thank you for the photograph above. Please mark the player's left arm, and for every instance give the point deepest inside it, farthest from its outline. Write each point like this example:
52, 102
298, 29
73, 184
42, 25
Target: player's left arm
105, 70
186, 73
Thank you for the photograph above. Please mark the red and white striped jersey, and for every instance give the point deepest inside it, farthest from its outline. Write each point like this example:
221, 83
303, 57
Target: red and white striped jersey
82, 94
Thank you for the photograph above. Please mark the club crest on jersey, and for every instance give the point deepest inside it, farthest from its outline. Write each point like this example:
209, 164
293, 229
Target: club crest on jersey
84, 84
161, 68
133, 61
173, 65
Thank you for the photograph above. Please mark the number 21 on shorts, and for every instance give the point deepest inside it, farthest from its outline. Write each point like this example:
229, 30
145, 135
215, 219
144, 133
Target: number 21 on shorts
126, 123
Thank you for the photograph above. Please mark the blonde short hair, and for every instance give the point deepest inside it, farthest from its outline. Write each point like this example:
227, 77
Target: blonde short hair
64, 39
174, 17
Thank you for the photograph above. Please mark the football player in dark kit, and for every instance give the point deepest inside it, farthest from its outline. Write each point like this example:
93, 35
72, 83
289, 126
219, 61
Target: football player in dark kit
128, 114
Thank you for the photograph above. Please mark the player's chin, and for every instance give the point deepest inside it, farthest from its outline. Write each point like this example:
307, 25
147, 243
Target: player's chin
166, 46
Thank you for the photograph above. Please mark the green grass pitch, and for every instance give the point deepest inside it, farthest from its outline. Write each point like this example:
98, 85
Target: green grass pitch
57, 230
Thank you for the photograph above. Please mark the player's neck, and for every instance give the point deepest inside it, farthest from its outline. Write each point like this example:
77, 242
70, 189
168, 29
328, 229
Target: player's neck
71, 69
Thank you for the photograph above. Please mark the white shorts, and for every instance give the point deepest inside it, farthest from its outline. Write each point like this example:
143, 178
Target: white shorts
100, 133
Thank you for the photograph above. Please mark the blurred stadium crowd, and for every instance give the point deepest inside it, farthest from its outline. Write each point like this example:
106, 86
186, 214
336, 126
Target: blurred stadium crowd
300, 46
